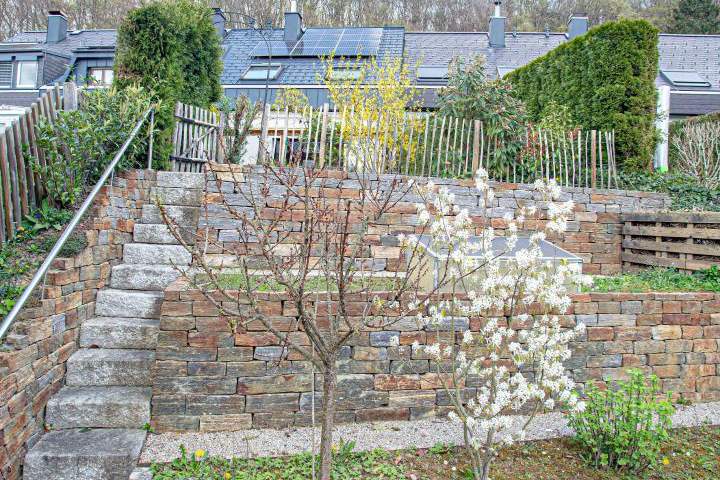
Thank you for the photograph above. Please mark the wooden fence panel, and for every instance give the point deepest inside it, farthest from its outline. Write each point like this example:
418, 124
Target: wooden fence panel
197, 138
426, 145
21, 185
687, 241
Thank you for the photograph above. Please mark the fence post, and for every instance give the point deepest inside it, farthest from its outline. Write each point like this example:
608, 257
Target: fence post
323, 134
476, 148
70, 97
593, 158
262, 153
220, 153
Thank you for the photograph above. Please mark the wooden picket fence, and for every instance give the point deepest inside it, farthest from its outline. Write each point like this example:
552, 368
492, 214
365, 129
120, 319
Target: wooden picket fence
21, 187
196, 139
684, 240
429, 145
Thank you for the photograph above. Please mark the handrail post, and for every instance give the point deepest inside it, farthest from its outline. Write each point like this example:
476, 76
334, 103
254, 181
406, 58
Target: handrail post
40, 274
150, 142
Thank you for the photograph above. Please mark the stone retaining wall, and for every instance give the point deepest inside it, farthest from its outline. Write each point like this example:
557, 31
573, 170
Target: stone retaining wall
32, 360
211, 378
594, 231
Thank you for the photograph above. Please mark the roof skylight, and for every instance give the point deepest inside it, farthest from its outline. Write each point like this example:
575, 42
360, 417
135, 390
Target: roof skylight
685, 78
432, 72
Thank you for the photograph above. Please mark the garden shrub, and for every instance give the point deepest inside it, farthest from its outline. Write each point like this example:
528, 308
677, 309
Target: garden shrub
676, 130
79, 144
684, 191
172, 49
607, 80
624, 428
469, 95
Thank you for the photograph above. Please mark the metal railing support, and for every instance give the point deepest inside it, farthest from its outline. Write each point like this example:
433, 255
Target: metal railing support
40, 274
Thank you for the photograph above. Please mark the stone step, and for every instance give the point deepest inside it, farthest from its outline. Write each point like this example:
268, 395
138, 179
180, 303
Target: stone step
99, 407
160, 234
119, 332
141, 473
142, 277
101, 366
176, 196
128, 303
153, 254
181, 180
181, 215
78, 454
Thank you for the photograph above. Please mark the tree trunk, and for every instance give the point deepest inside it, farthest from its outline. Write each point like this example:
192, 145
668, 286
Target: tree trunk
328, 420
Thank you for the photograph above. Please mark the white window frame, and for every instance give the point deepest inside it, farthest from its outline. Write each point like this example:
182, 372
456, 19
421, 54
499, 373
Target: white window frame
103, 81
18, 69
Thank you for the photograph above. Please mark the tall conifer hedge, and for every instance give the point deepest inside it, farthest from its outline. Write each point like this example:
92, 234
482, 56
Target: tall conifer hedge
607, 80
171, 48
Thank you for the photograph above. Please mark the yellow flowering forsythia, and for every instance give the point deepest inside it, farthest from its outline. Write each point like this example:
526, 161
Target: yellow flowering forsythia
374, 105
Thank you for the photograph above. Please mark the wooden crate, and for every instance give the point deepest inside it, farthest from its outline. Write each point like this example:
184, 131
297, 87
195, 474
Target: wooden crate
687, 241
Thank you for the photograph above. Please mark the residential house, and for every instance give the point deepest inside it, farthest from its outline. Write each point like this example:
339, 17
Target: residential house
30, 61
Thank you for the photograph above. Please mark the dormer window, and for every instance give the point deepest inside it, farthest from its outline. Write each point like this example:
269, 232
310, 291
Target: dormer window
502, 70
26, 74
685, 78
344, 74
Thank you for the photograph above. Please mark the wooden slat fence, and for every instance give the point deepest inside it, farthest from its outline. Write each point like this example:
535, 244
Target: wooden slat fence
21, 187
684, 240
196, 139
428, 145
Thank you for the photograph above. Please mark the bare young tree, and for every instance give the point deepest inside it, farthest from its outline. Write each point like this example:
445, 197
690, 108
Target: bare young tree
297, 234
698, 152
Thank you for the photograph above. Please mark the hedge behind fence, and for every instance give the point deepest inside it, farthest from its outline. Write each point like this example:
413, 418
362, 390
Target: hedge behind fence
607, 80
172, 49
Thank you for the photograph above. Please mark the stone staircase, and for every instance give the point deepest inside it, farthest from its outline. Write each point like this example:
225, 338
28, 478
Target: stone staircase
96, 419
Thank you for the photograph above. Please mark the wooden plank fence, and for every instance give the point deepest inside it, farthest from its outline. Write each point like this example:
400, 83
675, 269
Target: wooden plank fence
429, 145
196, 139
687, 241
21, 187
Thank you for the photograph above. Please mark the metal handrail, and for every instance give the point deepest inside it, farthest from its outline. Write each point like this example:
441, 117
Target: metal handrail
40, 274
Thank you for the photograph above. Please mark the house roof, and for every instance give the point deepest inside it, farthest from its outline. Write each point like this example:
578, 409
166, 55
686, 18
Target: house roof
238, 46
75, 41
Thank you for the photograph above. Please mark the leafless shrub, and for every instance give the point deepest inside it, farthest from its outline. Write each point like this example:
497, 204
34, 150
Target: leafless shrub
698, 152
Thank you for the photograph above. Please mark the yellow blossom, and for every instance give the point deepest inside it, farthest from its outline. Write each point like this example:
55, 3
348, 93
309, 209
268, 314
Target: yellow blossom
666, 461
227, 476
199, 454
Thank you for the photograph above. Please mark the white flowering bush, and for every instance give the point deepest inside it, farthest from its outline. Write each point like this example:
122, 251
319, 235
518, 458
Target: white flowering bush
515, 359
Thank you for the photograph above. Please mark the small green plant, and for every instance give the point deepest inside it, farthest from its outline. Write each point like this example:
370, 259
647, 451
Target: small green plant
624, 428
439, 449
45, 218
660, 280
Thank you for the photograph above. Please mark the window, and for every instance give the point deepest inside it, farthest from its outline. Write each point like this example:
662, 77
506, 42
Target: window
502, 71
260, 72
5, 74
101, 76
26, 76
432, 72
685, 78
344, 74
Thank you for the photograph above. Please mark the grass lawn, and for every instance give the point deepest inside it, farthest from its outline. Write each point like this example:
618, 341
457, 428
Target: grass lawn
691, 454
660, 280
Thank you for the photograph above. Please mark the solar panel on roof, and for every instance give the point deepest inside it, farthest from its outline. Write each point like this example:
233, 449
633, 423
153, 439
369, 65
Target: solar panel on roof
319, 42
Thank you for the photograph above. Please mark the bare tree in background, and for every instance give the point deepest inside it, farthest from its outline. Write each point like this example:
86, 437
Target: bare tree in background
432, 15
698, 152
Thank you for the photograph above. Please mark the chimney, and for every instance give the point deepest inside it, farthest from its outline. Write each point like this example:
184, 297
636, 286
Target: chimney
497, 27
293, 23
218, 20
577, 25
57, 27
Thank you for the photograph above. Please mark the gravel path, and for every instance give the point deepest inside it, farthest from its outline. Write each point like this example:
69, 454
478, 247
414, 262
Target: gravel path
367, 436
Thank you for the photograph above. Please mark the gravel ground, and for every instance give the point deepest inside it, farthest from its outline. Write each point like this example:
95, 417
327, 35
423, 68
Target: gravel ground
367, 436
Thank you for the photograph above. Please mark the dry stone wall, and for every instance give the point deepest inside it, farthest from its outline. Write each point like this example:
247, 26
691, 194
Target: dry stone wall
594, 231
32, 359
210, 377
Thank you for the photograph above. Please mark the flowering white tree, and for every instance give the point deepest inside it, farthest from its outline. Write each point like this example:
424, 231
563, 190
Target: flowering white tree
516, 358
